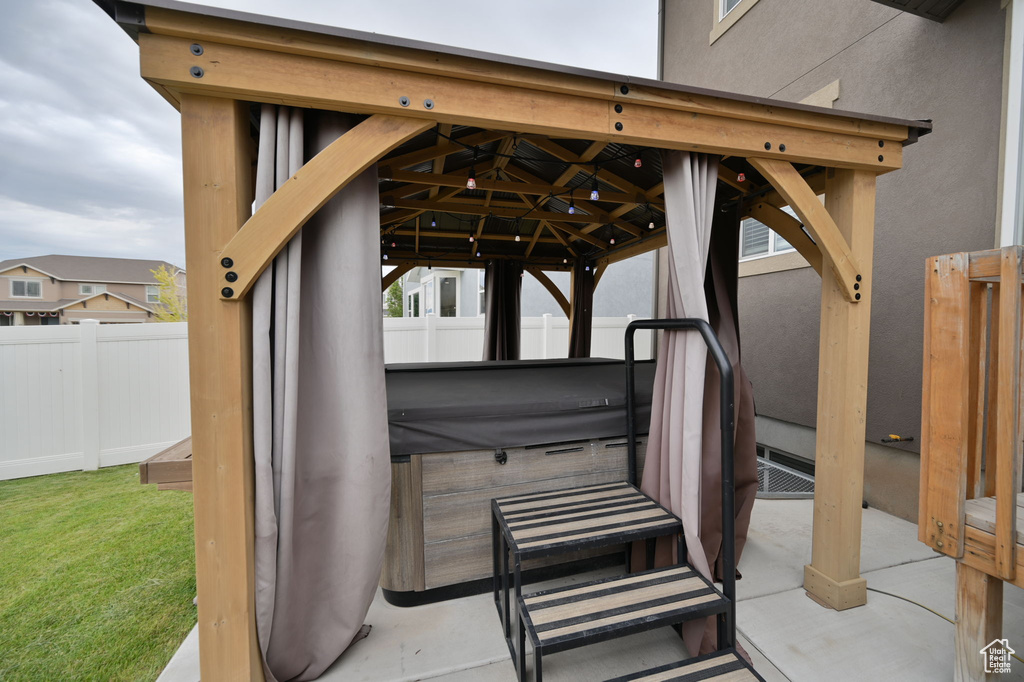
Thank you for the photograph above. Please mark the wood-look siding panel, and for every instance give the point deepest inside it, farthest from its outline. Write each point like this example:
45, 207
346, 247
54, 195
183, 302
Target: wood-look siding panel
477, 469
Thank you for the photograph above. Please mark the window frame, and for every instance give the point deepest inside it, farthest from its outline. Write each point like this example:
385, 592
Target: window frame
151, 297
27, 281
723, 22
93, 289
773, 237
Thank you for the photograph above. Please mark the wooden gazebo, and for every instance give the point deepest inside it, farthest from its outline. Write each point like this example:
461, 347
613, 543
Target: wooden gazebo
536, 139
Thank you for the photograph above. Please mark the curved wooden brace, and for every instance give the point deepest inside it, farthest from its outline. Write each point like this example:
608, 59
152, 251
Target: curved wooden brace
787, 227
393, 276
833, 246
287, 210
552, 288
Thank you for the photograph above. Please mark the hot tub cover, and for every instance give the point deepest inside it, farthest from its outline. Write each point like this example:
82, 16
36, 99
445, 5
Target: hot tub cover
447, 407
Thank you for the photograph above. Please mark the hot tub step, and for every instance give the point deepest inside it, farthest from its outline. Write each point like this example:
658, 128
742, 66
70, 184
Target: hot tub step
720, 666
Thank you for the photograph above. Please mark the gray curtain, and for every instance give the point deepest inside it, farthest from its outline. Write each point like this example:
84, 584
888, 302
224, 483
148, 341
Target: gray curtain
322, 471
720, 288
503, 286
581, 316
672, 470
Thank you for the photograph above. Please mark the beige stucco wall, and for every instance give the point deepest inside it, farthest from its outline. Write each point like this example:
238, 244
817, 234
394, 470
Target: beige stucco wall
942, 201
50, 290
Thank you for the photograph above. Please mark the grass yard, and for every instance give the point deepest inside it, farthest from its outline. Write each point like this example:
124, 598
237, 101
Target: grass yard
97, 576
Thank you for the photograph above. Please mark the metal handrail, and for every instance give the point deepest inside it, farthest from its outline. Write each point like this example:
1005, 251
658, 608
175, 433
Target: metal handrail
726, 629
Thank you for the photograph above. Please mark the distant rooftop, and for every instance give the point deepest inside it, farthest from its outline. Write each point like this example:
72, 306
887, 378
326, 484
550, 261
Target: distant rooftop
92, 269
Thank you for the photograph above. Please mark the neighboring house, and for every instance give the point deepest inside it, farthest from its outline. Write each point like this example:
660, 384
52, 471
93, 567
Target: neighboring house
960, 69
57, 289
624, 290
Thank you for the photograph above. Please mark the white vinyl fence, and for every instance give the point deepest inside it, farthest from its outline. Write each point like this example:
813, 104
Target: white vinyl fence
453, 339
87, 396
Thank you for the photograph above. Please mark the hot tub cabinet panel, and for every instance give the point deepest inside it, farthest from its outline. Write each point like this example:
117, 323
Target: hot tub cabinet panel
440, 529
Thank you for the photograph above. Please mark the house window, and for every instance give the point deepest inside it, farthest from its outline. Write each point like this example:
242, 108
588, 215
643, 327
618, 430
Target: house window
152, 294
449, 295
725, 14
90, 289
414, 304
26, 288
758, 241
481, 278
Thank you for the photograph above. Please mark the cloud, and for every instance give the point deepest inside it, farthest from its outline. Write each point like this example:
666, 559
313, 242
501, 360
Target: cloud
90, 154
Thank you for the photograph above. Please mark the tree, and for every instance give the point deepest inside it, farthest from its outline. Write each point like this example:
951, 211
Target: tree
393, 299
172, 306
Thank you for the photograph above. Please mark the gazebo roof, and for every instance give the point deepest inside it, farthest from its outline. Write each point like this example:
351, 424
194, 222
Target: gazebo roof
526, 181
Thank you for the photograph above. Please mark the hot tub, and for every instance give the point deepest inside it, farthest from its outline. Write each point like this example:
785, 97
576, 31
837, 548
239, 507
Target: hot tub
464, 433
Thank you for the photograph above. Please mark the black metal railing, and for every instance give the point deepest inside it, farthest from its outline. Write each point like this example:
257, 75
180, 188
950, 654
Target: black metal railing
726, 624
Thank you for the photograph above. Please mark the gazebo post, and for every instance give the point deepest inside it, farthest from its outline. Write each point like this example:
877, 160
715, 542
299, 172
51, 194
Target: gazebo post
217, 173
833, 576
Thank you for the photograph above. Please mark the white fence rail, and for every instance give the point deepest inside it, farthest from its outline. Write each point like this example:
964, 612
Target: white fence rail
87, 396
453, 339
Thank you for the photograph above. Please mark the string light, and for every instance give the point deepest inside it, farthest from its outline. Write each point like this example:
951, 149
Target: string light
471, 181
393, 245
433, 220
385, 256
742, 177
594, 194
564, 261
572, 206
516, 229
587, 268
471, 240
477, 254
612, 241
639, 162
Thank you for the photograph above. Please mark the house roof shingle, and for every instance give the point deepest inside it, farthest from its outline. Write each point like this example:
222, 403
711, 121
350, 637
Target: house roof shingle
92, 269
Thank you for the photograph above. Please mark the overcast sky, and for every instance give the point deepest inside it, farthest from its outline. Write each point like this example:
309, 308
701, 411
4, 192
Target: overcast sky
90, 154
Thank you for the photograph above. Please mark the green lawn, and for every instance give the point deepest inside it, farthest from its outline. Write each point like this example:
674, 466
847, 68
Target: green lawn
97, 576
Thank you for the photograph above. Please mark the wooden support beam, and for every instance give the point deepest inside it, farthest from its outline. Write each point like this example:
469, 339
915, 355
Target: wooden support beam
481, 208
979, 621
848, 271
552, 288
789, 228
444, 234
298, 80
438, 151
278, 39
585, 206
216, 167
561, 153
444, 132
579, 234
654, 240
538, 189
287, 210
833, 575
945, 423
393, 276
559, 237
1008, 417
534, 238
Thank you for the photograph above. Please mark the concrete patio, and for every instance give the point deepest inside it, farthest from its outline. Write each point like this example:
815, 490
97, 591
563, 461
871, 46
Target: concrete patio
788, 636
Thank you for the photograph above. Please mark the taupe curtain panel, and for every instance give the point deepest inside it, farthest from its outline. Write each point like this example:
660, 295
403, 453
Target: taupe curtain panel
320, 440
581, 319
720, 288
503, 286
672, 469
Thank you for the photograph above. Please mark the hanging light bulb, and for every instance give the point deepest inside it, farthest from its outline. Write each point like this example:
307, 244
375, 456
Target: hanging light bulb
594, 194
471, 240
385, 256
517, 237
742, 177
433, 220
477, 254
564, 261
587, 268
515, 229
471, 180
393, 245
639, 162
612, 241
650, 225
572, 207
